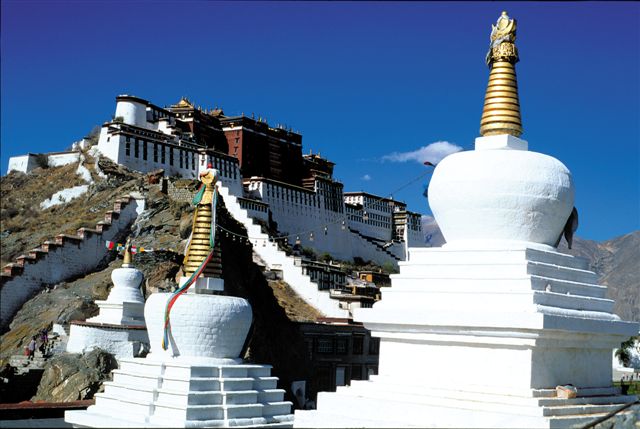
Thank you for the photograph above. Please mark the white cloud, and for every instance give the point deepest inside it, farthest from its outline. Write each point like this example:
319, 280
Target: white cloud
434, 153
366, 177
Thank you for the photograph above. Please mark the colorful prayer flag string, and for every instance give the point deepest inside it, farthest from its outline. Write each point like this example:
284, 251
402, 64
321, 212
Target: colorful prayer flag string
192, 279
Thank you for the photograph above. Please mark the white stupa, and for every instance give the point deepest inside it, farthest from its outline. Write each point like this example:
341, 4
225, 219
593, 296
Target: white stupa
119, 327
481, 332
198, 380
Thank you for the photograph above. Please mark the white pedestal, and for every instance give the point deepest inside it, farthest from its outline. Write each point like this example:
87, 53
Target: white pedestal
481, 338
199, 381
148, 393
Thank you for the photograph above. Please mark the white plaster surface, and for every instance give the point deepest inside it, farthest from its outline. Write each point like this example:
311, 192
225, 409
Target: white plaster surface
145, 393
529, 320
493, 197
64, 196
204, 326
121, 342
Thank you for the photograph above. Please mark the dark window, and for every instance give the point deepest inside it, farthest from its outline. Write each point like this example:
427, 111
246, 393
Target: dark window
144, 150
374, 346
356, 372
127, 148
136, 149
170, 155
181, 162
155, 152
341, 345
193, 161
162, 156
358, 344
309, 343
324, 345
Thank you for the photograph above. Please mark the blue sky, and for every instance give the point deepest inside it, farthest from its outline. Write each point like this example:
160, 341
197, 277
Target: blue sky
358, 80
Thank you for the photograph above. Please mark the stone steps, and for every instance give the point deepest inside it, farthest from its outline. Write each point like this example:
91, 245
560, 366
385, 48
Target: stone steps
41, 266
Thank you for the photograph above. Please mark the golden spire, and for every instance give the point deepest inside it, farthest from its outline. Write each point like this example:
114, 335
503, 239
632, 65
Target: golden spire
126, 261
501, 113
200, 245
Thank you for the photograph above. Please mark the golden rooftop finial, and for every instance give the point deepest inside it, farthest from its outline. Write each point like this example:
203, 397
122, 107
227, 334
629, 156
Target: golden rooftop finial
126, 262
199, 244
501, 113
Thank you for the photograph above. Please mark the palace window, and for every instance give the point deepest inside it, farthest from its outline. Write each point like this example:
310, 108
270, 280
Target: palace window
374, 346
180, 156
324, 345
162, 156
358, 344
136, 149
341, 346
170, 155
193, 161
155, 152
144, 150
127, 148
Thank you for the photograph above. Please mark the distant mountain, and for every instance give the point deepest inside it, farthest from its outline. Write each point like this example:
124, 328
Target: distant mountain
616, 261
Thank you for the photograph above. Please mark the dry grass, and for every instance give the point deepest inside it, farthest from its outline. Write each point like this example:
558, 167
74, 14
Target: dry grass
24, 225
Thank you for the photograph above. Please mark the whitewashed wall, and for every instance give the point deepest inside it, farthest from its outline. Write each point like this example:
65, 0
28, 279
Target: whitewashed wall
63, 263
23, 163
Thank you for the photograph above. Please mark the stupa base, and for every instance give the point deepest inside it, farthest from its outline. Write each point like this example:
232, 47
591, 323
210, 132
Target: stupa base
383, 402
174, 393
121, 340
481, 338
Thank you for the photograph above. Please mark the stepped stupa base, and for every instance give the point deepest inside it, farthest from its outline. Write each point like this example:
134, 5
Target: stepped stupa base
121, 340
382, 402
180, 393
482, 338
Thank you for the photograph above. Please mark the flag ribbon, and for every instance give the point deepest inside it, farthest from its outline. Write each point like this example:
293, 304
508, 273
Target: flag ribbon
192, 279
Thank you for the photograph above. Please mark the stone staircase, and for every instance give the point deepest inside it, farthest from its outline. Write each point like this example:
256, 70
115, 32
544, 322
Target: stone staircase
274, 259
64, 258
374, 243
22, 363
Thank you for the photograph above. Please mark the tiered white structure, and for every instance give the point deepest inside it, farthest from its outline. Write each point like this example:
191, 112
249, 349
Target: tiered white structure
481, 332
198, 381
119, 328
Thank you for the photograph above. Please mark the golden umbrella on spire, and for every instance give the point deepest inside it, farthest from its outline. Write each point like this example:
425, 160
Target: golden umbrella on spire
501, 113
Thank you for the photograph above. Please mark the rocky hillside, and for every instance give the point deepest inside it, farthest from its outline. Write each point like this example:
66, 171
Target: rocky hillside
617, 261
165, 225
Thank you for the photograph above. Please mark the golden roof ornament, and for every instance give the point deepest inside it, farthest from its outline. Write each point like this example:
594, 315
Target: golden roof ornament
501, 113
127, 260
203, 229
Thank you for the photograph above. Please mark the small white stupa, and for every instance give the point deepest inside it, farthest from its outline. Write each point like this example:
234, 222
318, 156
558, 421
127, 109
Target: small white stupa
119, 327
496, 328
193, 376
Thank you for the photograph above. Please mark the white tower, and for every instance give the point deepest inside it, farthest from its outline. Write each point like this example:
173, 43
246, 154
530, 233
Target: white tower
481, 332
119, 328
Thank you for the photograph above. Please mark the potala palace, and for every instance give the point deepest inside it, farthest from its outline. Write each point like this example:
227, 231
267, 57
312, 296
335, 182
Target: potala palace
264, 168
496, 328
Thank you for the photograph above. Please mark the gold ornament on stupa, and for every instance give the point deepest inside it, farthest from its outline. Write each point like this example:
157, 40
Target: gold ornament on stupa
127, 259
501, 113
203, 227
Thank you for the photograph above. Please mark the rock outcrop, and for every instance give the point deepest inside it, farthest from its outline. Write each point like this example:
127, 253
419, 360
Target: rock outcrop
72, 377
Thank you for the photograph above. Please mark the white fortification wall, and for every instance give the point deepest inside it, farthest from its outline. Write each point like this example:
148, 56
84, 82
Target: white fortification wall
72, 258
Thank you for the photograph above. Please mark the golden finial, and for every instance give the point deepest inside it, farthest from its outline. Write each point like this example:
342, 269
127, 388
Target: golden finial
127, 260
501, 113
199, 243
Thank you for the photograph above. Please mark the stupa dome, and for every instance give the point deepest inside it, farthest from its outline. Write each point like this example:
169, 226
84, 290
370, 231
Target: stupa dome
498, 197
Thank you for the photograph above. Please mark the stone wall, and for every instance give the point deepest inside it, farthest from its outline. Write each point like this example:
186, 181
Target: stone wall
63, 259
